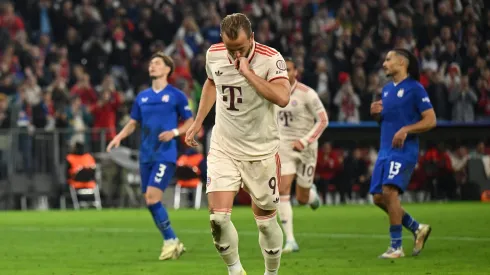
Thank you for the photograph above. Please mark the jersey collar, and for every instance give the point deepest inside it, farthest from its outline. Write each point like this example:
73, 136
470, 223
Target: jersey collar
250, 55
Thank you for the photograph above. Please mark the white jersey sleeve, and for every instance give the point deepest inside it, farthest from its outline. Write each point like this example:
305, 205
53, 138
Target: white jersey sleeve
276, 68
316, 108
304, 118
213, 48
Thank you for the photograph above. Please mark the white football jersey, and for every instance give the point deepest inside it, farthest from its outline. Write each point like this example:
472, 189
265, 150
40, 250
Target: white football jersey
304, 118
246, 126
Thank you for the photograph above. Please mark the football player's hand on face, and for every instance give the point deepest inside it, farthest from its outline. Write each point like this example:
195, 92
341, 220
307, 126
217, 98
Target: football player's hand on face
241, 64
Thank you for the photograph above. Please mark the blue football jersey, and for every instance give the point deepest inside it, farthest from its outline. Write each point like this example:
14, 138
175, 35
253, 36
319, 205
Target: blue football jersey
403, 105
157, 112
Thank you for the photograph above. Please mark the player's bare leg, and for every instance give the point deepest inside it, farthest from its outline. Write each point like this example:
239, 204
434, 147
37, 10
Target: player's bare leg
270, 238
224, 233
286, 213
420, 231
308, 196
172, 247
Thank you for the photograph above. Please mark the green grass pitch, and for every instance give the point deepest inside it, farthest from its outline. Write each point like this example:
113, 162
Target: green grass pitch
333, 240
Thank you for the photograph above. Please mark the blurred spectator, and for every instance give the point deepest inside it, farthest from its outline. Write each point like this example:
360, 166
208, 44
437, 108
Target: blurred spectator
483, 88
463, 99
9, 20
4, 112
480, 151
77, 119
190, 34
347, 101
459, 162
329, 163
356, 174
83, 88
438, 168
105, 110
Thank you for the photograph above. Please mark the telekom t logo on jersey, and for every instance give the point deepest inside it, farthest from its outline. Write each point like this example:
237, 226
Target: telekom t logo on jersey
285, 117
235, 96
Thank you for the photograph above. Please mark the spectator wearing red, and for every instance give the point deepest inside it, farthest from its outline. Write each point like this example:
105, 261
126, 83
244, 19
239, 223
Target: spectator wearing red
484, 91
328, 165
10, 21
439, 170
84, 90
419, 177
347, 100
182, 70
105, 113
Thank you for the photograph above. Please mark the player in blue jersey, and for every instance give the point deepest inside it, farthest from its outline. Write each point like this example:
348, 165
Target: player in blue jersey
403, 111
158, 110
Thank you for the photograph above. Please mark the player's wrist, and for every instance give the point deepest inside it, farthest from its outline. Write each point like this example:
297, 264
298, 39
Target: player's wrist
176, 132
303, 142
248, 73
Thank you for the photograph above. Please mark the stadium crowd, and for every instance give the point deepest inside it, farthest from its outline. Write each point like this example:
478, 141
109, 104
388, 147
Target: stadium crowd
78, 64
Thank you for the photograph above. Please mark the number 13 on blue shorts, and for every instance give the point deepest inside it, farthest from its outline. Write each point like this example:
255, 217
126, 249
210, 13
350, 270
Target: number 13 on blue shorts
391, 171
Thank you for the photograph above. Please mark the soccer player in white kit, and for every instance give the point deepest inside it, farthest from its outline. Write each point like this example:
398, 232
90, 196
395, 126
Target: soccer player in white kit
301, 123
246, 80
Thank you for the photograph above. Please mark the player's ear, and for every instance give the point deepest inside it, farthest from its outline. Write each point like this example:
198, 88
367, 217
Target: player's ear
403, 61
252, 36
166, 70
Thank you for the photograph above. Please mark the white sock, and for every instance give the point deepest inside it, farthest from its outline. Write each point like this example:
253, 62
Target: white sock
312, 197
270, 240
286, 215
236, 267
270, 273
225, 239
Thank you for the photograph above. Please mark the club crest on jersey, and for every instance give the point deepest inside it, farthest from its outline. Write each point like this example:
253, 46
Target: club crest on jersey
208, 181
165, 98
281, 65
294, 103
400, 93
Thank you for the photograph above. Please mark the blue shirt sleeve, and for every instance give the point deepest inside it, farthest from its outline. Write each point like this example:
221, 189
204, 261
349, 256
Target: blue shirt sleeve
183, 107
422, 101
136, 111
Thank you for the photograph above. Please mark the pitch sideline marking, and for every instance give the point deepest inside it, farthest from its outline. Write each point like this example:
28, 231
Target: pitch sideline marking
245, 233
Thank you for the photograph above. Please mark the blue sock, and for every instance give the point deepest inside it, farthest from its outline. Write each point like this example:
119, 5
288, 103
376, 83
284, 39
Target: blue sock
160, 216
410, 223
396, 236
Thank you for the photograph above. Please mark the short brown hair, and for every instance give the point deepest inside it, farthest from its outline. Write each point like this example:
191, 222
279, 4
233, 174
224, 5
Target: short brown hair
166, 59
233, 23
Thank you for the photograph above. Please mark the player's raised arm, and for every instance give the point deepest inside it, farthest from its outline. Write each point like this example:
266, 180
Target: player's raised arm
276, 88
